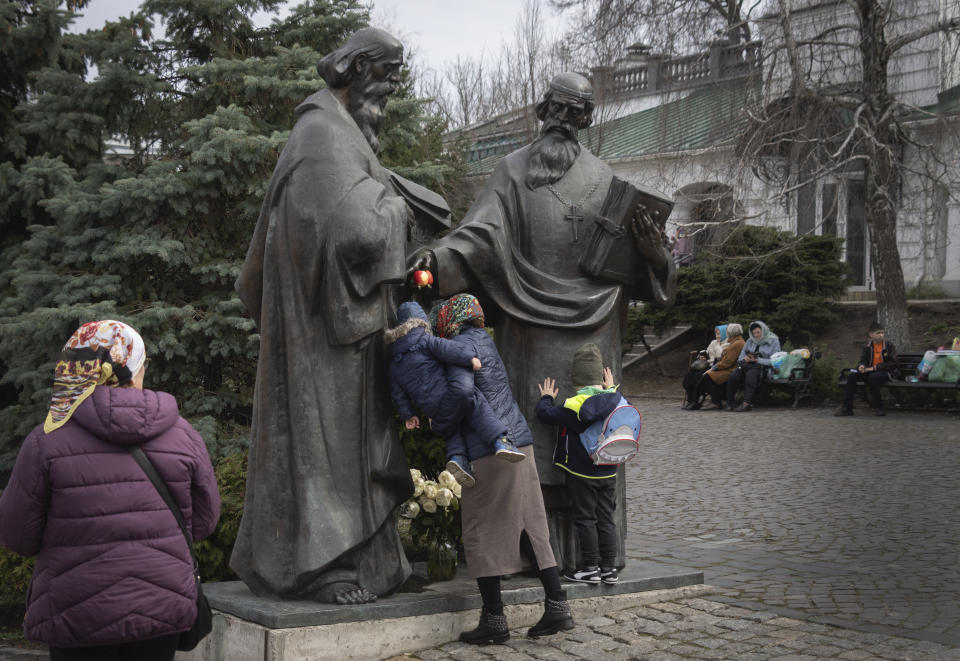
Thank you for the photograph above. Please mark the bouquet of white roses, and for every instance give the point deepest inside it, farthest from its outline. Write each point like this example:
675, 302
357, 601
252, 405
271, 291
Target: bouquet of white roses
434, 509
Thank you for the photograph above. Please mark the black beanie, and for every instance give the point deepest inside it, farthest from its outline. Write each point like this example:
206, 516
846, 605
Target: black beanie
587, 366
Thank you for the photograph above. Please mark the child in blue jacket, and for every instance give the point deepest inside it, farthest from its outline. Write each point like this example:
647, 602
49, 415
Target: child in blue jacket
418, 377
592, 489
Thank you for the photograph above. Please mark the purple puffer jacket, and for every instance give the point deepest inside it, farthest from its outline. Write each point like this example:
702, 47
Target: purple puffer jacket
113, 566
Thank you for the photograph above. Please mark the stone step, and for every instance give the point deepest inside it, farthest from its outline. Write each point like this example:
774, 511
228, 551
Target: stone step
251, 628
670, 339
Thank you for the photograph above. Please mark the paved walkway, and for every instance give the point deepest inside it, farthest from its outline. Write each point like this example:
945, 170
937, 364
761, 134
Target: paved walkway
826, 538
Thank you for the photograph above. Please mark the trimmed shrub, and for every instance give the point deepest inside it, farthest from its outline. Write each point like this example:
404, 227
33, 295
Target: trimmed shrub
756, 273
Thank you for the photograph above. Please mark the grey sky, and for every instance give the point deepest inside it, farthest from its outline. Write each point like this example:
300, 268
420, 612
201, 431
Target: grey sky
435, 30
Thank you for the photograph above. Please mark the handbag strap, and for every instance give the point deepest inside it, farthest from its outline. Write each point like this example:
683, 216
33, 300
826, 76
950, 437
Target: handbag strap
141, 458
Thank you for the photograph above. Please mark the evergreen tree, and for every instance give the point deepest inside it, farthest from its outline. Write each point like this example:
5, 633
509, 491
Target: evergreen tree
156, 237
756, 273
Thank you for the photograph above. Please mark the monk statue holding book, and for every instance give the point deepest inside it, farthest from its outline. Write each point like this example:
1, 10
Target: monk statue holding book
555, 247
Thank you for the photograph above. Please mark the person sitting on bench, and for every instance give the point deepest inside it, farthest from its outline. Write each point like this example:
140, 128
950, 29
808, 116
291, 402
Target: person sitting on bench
878, 364
754, 365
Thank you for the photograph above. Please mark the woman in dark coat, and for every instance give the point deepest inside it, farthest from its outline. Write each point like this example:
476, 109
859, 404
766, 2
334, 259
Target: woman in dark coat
503, 516
114, 577
419, 376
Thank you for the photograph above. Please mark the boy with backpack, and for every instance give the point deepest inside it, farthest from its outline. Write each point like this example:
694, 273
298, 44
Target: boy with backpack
591, 478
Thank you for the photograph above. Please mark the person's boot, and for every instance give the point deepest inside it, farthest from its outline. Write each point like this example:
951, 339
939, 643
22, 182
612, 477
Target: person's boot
556, 617
492, 629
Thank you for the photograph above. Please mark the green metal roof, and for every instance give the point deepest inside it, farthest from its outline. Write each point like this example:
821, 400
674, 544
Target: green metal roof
948, 103
708, 117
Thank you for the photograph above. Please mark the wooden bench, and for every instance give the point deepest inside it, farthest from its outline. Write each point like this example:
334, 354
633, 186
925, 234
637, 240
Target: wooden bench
800, 380
909, 378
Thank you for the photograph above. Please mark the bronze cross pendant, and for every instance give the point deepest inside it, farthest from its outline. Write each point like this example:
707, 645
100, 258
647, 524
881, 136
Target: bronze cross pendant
575, 219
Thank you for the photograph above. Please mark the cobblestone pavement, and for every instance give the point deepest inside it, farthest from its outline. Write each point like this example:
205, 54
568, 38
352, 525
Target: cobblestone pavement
826, 538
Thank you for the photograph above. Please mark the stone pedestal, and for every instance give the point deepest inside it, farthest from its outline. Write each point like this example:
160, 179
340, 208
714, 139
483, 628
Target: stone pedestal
251, 628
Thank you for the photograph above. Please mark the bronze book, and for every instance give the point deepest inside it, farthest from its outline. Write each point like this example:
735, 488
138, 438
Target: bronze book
611, 252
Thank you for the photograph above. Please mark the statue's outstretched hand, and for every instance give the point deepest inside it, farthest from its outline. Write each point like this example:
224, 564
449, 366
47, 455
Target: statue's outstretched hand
423, 262
648, 237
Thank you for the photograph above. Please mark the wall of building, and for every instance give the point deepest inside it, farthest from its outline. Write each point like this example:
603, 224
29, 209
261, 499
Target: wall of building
914, 72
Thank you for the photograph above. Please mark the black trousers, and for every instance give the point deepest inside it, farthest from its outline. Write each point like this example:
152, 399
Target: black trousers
153, 649
691, 384
593, 503
749, 377
549, 578
873, 380
717, 391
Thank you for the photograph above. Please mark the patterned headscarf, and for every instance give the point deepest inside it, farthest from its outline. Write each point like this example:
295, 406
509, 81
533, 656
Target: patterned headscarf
101, 353
455, 312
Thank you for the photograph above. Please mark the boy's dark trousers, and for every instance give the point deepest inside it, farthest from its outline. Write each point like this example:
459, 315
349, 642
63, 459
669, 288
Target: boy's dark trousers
593, 503
873, 381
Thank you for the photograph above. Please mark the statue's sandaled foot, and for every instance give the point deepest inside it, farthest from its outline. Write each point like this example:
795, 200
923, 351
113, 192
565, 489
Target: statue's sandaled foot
345, 593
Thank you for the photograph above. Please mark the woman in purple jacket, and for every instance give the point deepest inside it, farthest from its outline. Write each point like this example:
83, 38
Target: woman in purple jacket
113, 577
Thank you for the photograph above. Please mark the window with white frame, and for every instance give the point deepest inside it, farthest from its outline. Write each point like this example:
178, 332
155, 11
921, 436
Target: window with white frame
835, 206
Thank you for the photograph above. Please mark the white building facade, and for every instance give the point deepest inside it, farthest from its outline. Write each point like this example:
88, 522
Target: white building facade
680, 124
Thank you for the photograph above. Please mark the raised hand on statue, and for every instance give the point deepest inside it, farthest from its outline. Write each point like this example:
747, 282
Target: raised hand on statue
649, 238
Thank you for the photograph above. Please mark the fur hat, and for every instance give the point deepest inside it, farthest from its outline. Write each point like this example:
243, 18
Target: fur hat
587, 366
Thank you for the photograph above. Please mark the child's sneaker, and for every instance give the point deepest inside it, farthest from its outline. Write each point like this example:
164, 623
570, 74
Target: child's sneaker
609, 576
506, 450
589, 575
459, 467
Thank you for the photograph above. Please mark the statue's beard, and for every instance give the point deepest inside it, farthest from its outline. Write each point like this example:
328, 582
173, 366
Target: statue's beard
552, 153
366, 104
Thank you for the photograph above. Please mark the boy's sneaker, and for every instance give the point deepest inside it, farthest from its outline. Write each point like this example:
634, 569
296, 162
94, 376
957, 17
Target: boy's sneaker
459, 466
506, 450
609, 576
589, 575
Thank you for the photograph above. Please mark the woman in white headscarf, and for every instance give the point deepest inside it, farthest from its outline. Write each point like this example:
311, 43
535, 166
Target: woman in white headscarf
114, 577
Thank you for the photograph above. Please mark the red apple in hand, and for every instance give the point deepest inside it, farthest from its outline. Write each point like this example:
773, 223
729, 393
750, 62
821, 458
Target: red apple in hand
422, 278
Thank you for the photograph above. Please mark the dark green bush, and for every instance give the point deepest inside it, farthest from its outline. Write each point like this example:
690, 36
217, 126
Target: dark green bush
424, 449
755, 273
213, 553
16, 571
826, 370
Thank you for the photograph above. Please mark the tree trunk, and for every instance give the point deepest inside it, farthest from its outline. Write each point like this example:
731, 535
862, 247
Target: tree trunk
882, 147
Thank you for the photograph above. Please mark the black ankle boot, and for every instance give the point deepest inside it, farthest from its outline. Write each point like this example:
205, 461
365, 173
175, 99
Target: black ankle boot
556, 617
492, 629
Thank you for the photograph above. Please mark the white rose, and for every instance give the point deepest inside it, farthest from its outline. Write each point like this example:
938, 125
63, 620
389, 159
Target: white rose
410, 509
446, 479
418, 487
429, 505
415, 475
457, 489
444, 497
430, 489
